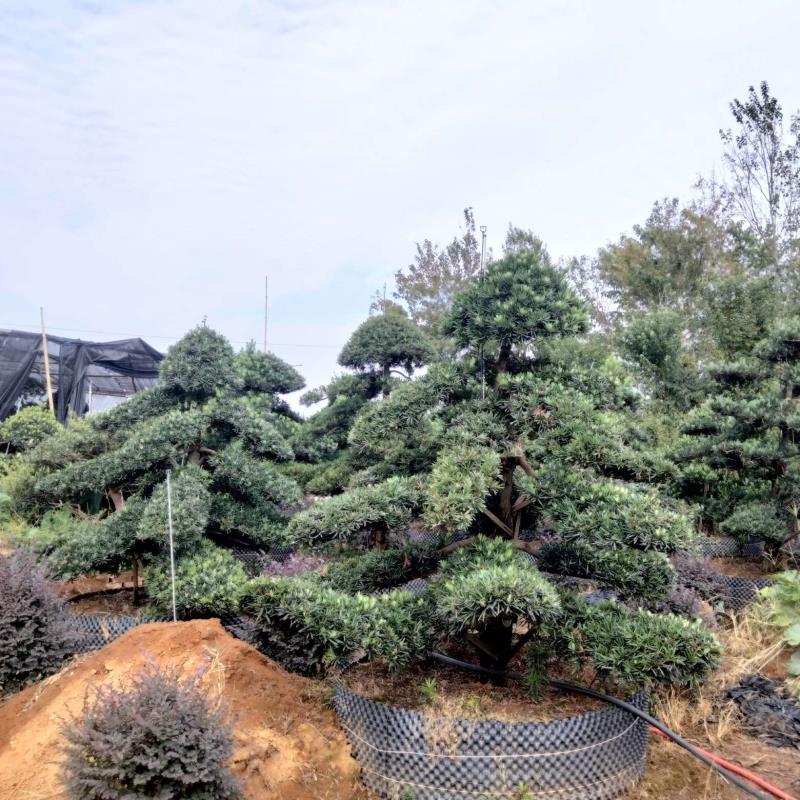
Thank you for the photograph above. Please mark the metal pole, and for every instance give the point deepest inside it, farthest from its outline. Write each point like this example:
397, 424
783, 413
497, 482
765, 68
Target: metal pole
171, 547
46, 355
483, 246
266, 309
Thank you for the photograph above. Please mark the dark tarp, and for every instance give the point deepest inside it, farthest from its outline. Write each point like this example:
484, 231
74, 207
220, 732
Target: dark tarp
106, 369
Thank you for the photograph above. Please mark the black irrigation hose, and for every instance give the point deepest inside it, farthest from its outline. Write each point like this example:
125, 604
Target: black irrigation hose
614, 701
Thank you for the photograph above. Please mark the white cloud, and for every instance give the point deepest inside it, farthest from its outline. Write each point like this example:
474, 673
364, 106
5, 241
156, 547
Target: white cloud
157, 158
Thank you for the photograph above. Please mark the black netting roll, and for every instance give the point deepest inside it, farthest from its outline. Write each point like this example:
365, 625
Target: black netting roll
593, 756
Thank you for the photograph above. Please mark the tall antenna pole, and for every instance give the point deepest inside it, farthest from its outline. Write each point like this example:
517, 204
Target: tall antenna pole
266, 309
46, 356
483, 247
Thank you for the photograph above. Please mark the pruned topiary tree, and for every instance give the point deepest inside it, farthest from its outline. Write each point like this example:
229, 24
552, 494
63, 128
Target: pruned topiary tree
740, 457
528, 433
215, 420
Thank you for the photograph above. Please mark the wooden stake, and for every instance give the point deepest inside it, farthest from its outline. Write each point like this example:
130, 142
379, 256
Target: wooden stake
46, 355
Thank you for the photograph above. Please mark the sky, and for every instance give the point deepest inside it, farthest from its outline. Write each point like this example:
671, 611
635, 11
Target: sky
159, 158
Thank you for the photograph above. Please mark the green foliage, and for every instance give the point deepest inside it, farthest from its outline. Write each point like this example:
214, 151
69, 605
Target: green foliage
78, 440
398, 431
385, 341
191, 503
36, 634
486, 591
668, 260
17, 481
266, 373
522, 298
305, 625
459, 483
251, 479
489, 581
198, 365
428, 286
739, 313
654, 344
159, 736
233, 417
27, 427
385, 506
634, 573
637, 647
755, 521
121, 418
208, 583
380, 569
607, 514
783, 598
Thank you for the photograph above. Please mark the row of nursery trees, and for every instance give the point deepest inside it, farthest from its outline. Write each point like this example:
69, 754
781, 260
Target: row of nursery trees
522, 426
493, 431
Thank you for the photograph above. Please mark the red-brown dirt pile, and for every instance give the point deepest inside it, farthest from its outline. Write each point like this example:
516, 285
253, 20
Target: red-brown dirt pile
288, 744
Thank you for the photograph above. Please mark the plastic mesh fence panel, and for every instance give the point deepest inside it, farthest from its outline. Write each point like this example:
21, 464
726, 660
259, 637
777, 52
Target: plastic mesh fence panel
593, 756
742, 591
98, 631
726, 546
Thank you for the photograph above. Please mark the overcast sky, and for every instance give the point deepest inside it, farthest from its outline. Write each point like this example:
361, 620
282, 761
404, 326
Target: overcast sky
158, 158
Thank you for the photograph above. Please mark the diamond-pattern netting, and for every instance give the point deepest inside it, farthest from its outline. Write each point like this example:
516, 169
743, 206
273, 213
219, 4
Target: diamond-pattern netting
593, 756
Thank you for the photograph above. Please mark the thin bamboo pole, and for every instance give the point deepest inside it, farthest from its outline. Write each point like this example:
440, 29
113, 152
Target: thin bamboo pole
46, 355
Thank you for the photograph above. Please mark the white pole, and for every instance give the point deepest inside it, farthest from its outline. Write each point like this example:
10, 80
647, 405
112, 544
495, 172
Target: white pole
483, 368
171, 547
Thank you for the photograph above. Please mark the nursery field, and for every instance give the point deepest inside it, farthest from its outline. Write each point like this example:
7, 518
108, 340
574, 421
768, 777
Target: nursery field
531, 542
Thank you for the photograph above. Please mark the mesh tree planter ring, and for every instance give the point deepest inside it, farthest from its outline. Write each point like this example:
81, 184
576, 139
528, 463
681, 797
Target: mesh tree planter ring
403, 754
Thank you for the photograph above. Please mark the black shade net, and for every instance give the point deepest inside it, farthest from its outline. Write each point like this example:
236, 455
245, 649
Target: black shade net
79, 370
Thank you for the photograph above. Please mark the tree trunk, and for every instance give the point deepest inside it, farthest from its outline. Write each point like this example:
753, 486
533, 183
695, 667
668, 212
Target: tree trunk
386, 372
497, 637
503, 358
507, 491
117, 498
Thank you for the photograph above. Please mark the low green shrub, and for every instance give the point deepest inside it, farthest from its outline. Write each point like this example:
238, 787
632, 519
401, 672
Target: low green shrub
306, 626
18, 481
208, 583
27, 427
36, 631
157, 737
754, 521
380, 569
636, 647
486, 590
634, 573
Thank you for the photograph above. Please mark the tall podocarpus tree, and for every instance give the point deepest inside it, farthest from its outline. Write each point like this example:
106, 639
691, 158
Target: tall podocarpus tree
526, 428
743, 442
214, 420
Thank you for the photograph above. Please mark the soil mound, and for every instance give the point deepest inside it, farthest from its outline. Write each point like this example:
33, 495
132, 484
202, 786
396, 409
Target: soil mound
288, 744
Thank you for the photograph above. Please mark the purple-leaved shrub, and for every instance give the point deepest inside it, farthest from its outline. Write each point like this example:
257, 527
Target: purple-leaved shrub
36, 632
158, 737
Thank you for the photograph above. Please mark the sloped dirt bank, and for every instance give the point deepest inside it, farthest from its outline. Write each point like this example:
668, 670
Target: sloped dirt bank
288, 744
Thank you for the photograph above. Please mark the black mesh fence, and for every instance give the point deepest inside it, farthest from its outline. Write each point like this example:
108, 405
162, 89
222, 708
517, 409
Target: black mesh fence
741, 591
97, 631
728, 547
594, 756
